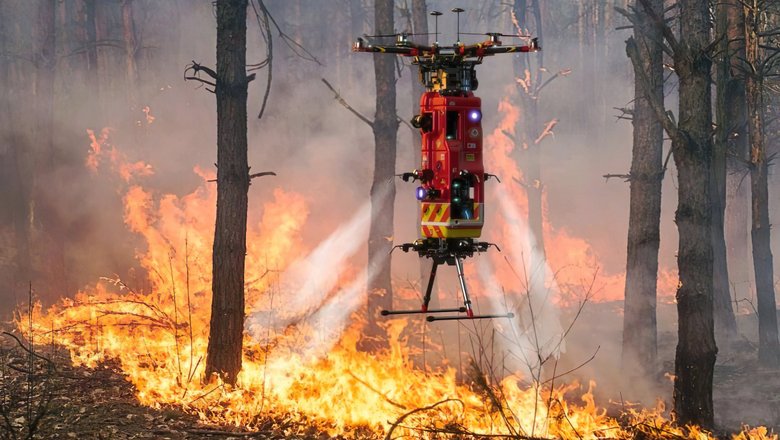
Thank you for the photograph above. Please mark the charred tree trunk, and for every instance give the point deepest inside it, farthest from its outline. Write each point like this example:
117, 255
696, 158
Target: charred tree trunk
725, 321
639, 319
768, 345
385, 127
227, 304
692, 149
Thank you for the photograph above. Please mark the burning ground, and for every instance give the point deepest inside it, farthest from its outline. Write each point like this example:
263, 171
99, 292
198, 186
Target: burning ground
303, 374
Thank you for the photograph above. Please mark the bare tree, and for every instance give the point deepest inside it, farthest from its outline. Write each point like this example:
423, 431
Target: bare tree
645, 179
385, 127
768, 345
231, 84
530, 132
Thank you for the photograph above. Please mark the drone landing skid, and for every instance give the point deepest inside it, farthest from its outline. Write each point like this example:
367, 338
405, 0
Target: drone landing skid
446, 252
422, 311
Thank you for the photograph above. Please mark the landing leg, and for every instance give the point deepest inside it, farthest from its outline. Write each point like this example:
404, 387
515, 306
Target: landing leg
426, 300
427, 297
463, 288
466, 301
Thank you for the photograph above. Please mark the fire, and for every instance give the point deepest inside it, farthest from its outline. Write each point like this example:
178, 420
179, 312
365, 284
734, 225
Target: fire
574, 264
101, 150
159, 335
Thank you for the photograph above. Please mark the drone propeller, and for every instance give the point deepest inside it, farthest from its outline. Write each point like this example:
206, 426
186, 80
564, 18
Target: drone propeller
497, 34
408, 34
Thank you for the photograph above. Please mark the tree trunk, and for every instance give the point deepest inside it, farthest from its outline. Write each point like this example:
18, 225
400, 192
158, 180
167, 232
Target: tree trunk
735, 120
44, 214
130, 46
639, 319
528, 151
768, 345
227, 304
385, 126
420, 26
692, 149
725, 321
19, 155
90, 42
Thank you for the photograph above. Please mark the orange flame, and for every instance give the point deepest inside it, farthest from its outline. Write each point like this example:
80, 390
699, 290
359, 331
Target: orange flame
572, 259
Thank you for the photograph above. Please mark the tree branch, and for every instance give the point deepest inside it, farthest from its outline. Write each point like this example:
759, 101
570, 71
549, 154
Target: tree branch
196, 68
641, 76
264, 173
346, 105
400, 420
659, 22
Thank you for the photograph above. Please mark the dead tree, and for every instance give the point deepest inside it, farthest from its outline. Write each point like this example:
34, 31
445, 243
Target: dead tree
645, 179
692, 151
758, 66
230, 85
529, 134
385, 128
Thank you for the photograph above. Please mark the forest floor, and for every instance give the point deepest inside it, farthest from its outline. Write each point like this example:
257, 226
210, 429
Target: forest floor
100, 403
97, 403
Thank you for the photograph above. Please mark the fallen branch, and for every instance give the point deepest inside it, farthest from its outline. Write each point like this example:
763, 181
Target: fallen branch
400, 420
476, 435
387, 399
31, 352
228, 433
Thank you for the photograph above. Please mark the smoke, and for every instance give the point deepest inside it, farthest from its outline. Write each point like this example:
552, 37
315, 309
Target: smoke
308, 284
535, 332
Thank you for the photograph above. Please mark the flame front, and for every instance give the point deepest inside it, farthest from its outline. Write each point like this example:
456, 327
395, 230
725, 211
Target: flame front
159, 335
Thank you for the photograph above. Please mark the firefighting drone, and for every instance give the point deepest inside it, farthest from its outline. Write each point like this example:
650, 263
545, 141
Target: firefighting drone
451, 175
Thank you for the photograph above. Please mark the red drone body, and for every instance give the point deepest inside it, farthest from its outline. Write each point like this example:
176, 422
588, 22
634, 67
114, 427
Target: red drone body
453, 199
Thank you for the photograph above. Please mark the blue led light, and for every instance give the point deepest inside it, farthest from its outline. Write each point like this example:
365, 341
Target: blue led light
421, 193
475, 115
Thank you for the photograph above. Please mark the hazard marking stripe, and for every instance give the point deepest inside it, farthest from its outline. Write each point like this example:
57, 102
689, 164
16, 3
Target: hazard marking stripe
445, 216
439, 232
429, 212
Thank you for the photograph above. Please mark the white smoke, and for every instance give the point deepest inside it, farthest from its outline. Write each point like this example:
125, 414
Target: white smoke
308, 284
536, 331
